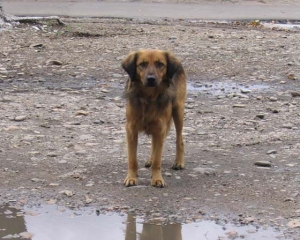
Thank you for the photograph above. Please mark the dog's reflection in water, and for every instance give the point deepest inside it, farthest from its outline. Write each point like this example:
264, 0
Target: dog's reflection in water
152, 232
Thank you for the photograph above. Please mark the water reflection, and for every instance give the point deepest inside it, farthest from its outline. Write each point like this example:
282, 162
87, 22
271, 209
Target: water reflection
151, 232
10, 222
53, 222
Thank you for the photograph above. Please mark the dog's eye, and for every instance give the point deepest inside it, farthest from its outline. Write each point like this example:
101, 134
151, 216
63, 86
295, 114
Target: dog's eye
159, 64
143, 64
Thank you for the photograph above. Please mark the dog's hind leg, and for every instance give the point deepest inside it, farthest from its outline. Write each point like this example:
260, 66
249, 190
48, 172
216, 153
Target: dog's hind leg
178, 116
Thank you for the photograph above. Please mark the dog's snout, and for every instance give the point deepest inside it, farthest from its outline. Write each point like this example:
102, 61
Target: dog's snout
151, 80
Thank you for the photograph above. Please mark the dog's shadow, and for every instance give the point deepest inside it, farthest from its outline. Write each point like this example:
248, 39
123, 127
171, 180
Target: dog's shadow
152, 232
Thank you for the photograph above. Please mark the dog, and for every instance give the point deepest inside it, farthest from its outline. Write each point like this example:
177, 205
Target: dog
155, 93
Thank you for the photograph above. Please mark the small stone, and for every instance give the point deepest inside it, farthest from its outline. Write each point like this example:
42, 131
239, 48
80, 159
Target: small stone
239, 106
37, 180
244, 90
36, 45
54, 184
116, 75
98, 122
88, 200
26, 235
104, 90
82, 113
273, 151
12, 128
273, 99
3, 71
294, 223
291, 76
9, 236
295, 94
168, 174
287, 125
263, 163
52, 154
20, 118
260, 115
67, 192
206, 171
55, 62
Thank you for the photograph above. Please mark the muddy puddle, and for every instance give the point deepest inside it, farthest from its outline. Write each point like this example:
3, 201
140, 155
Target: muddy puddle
52, 222
225, 88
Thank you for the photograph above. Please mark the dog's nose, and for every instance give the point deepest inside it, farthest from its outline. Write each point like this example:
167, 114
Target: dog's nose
151, 80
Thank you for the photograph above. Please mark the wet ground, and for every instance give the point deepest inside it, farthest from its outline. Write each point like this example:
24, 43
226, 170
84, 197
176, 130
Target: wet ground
50, 222
63, 138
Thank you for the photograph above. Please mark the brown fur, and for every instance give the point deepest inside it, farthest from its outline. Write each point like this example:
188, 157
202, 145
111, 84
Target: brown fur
155, 93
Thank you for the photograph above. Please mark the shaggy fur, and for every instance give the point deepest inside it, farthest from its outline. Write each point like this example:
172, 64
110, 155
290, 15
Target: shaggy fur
155, 93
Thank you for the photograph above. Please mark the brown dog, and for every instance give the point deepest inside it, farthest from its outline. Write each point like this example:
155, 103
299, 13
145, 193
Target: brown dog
155, 93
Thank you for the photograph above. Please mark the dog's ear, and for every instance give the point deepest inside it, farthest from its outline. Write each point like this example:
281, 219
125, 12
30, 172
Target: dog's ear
129, 65
173, 64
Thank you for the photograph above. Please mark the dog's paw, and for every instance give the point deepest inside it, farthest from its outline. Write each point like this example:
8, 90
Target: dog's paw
178, 166
158, 182
148, 164
130, 181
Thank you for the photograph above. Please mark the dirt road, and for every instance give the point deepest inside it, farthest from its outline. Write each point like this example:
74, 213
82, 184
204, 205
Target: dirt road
149, 10
62, 120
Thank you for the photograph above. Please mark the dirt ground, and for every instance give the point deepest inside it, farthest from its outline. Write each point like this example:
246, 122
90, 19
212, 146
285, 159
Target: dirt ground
62, 120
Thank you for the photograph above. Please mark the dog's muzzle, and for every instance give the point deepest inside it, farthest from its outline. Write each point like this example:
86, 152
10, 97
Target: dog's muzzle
151, 81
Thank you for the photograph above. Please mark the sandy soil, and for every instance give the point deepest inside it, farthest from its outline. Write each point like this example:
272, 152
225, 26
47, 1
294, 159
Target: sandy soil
62, 120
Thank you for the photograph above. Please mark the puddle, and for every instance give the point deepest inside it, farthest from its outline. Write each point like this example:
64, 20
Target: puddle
53, 222
223, 88
283, 26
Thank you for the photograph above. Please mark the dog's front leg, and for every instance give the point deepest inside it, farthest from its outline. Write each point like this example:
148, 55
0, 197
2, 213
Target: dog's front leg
157, 147
132, 141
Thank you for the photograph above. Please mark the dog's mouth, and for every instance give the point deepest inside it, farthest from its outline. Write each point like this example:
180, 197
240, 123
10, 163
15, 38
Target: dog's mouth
150, 84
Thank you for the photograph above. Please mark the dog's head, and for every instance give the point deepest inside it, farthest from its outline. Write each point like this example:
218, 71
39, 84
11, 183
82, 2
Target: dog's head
151, 67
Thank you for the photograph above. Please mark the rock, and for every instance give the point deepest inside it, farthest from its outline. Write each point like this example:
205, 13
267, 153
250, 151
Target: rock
273, 99
98, 122
36, 45
10, 236
116, 75
232, 234
26, 235
206, 171
168, 174
263, 163
82, 113
295, 94
294, 223
260, 115
52, 154
55, 62
291, 76
20, 118
12, 128
88, 200
67, 192
54, 184
38, 180
273, 151
104, 90
244, 90
239, 106
287, 125
3, 71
